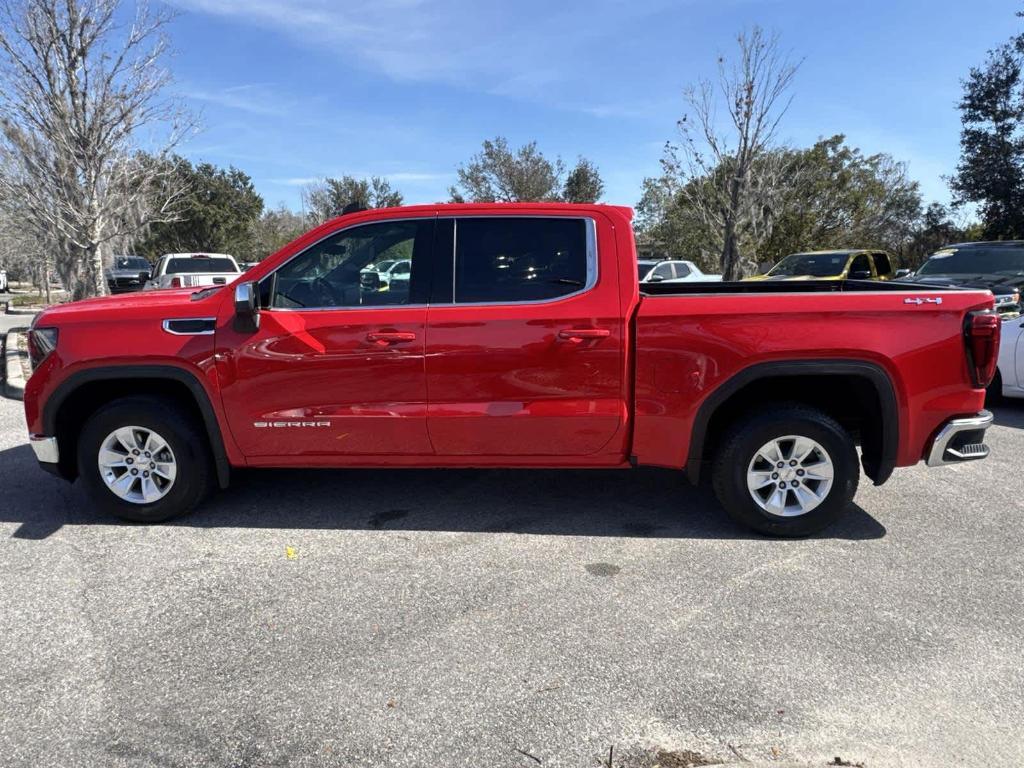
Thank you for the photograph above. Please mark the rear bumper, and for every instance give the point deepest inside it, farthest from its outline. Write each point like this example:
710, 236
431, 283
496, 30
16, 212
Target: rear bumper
960, 440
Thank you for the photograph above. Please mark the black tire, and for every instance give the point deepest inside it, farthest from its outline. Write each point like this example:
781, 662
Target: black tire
994, 393
194, 478
746, 438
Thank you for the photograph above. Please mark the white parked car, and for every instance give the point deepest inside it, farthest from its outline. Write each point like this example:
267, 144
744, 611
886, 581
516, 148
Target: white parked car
672, 271
390, 273
193, 270
1009, 380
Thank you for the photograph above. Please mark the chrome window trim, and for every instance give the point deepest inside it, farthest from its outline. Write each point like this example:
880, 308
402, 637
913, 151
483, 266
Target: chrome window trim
335, 232
166, 325
593, 271
591, 256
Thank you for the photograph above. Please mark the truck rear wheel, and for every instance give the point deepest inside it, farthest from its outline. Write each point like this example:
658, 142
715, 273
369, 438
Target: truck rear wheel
790, 471
144, 459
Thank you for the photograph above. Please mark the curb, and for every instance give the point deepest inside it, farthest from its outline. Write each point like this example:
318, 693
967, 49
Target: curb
14, 378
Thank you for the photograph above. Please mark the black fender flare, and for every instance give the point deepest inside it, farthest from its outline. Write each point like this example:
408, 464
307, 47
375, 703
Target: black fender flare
166, 372
879, 471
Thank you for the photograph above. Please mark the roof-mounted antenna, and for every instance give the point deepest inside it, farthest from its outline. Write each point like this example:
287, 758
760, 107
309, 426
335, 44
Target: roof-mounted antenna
352, 208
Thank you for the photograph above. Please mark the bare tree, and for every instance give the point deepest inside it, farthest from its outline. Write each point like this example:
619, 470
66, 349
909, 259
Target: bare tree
78, 95
729, 174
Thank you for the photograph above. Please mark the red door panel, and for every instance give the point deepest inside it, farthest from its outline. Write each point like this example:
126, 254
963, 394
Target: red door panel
327, 382
527, 378
501, 386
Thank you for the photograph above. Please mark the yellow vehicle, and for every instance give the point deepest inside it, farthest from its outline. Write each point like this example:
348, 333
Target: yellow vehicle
832, 265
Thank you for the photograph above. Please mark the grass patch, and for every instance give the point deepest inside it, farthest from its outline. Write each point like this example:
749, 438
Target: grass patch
27, 299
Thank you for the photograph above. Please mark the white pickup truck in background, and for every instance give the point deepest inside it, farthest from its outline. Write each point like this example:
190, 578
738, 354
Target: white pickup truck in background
193, 270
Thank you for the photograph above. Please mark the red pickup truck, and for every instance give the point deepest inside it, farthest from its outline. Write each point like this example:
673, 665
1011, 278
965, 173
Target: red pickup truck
520, 339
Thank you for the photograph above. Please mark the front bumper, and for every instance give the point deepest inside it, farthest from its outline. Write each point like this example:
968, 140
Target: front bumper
45, 448
960, 440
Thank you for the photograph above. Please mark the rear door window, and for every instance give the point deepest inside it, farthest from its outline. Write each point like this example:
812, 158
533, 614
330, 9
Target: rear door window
665, 271
861, 263
882, 264
512, 259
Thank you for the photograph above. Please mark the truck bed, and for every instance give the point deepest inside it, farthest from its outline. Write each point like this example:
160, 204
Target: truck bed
693, 338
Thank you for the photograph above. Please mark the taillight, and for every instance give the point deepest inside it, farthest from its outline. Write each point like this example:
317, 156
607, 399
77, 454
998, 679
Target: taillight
981, 337
176, 282
41, 342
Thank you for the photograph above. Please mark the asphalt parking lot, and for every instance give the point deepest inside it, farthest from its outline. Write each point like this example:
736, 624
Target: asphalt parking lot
501, 618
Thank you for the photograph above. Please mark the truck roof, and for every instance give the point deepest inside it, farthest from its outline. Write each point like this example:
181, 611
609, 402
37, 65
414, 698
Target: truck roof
197, 256
988, 244
451, 209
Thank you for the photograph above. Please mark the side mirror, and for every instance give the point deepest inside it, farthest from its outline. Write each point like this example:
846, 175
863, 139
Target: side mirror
655, 279
247, 310
902, 273
861, 274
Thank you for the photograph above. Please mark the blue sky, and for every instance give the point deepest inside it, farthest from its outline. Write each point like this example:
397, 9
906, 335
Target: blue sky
292, 90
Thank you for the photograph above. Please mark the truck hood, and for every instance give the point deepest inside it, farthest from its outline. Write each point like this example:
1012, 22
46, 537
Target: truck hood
159, 304
775, 278
998, 284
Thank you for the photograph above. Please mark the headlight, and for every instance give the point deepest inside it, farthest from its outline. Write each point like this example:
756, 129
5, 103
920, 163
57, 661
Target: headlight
1008, 300
41, 342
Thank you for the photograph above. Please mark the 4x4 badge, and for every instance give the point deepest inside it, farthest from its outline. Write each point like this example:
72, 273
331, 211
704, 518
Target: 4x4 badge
920, 301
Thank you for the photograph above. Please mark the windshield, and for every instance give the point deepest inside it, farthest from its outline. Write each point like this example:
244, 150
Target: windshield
811, 265
1001, 260
643, 267
196, 264
130, 262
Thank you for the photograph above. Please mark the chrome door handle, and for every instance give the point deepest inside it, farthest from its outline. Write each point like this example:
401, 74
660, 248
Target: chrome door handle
578, 335
385, 338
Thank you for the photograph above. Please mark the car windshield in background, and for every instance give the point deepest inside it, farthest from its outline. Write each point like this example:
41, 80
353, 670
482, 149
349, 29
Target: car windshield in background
643, 267
1001, 260
810, 265
130, 262
197, 264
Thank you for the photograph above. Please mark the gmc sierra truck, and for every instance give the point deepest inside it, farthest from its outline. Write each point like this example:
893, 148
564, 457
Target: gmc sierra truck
521, 339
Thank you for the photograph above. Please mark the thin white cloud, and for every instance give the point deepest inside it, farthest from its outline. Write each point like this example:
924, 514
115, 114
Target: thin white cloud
528, 50
254, 98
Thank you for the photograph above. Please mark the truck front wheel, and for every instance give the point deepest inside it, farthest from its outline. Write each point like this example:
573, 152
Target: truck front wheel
144, 459
790, 471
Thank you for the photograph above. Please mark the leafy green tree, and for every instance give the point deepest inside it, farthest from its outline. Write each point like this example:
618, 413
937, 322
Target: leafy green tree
583, 184
503, 175
499, 174
837, 197
215, 213
991, 169
328, 198
274, 230
829, 195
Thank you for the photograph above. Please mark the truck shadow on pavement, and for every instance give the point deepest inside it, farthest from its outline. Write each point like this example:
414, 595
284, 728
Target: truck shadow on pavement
640, 503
